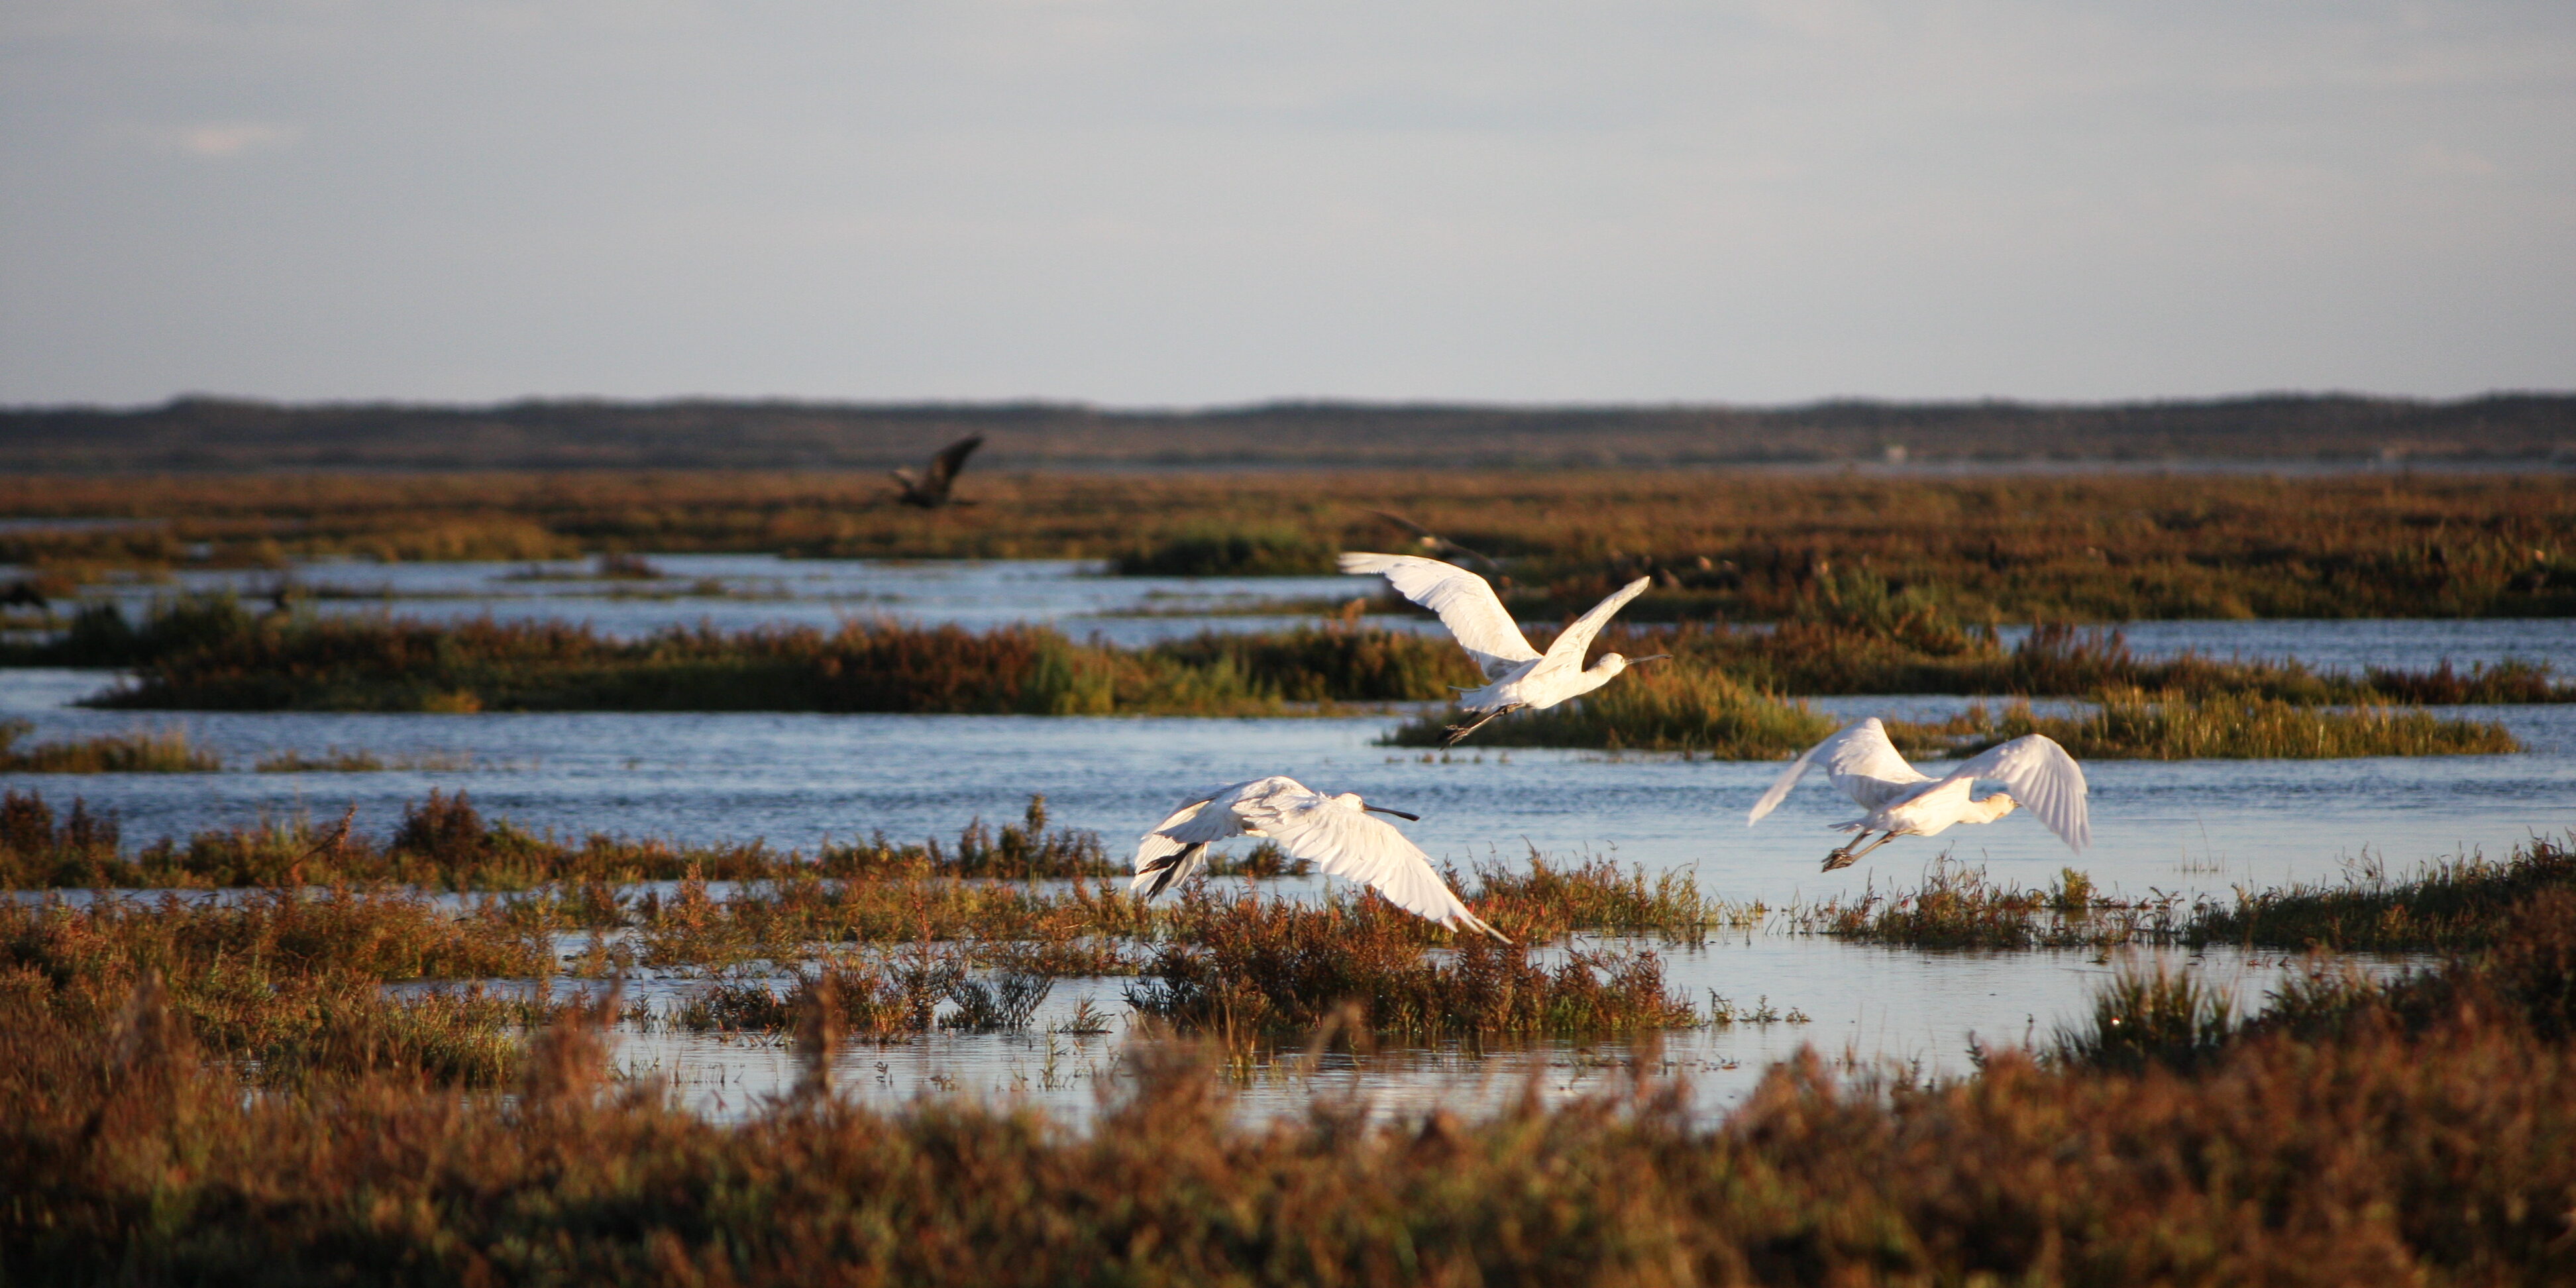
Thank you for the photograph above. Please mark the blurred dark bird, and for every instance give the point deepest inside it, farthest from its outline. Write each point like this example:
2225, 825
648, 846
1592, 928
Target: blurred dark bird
1435, 545
23, 594
930, 489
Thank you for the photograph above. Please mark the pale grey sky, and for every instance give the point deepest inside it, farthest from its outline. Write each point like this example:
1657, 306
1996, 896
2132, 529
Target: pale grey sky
1187, 203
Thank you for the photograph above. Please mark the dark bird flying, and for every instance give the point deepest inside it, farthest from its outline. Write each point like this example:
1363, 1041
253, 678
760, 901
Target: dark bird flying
930, 489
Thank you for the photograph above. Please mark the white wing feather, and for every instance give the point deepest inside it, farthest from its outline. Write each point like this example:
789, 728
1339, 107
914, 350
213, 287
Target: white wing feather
1570, 644
1465, 602
1200, 821
2043, 777
1356, 847
1863, 764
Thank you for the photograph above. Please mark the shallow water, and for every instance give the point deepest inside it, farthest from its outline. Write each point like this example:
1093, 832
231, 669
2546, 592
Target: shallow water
1890, 1011
738, 592
2194, 828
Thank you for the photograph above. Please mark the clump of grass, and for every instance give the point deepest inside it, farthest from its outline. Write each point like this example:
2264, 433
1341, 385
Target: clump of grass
1076, 930
164, 751
336, 761
1653, 708
1549, 901
2447, 905
1707, 713
1959, 906
284, 987
2511, 680
2134, 725
1249, 966
880, 999
1027, 850
1924, 649
36, 851
1263, 861
2152, 1018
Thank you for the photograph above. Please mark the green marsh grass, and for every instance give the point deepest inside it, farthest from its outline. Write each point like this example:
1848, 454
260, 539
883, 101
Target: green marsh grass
337, 761
213, 653
1931, 650
1959, 906
164, 751
1707, 713
1653, 708
2132, 724
216, 655
1548, 901
2449, 905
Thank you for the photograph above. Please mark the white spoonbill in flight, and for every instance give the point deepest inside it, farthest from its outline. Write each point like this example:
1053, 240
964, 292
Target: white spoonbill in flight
1516, 675
1334, 833
1904, 801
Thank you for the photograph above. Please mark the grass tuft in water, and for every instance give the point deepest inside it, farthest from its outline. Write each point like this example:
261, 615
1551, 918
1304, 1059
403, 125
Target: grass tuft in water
1658, 707
2153, 1017
2448, 905
2131, 724
1959, 906
164, 751
1248, 966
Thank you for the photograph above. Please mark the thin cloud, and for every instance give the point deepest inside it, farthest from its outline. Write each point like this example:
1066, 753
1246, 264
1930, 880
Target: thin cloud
224, 140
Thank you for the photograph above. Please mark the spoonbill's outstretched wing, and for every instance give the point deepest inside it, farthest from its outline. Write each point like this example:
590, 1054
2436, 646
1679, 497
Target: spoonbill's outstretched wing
1862, 763
2040, 775
1177, 847
1333, 834
1570, 644
1465, 602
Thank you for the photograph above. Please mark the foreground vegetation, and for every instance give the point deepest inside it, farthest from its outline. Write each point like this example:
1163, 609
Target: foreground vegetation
1740, 547
2420, 1130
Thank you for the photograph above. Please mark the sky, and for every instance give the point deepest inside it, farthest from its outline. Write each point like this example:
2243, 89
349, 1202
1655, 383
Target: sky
1185, 204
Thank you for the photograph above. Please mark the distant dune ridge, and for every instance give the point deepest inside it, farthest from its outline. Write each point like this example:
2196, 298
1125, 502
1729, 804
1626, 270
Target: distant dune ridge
209, 434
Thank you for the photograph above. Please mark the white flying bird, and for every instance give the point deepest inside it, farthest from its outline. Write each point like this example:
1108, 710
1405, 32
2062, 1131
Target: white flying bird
1334, 833
1903, 801
1516, 675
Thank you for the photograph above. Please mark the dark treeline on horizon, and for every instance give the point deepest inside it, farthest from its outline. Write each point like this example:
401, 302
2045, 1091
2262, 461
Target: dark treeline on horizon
209, 434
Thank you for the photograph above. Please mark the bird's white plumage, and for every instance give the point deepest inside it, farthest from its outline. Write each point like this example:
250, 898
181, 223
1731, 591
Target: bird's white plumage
2044, 778
1332, 832
1517, 676
1176, 849
1466, 604
1859, 760
1570, 644
2036, 772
